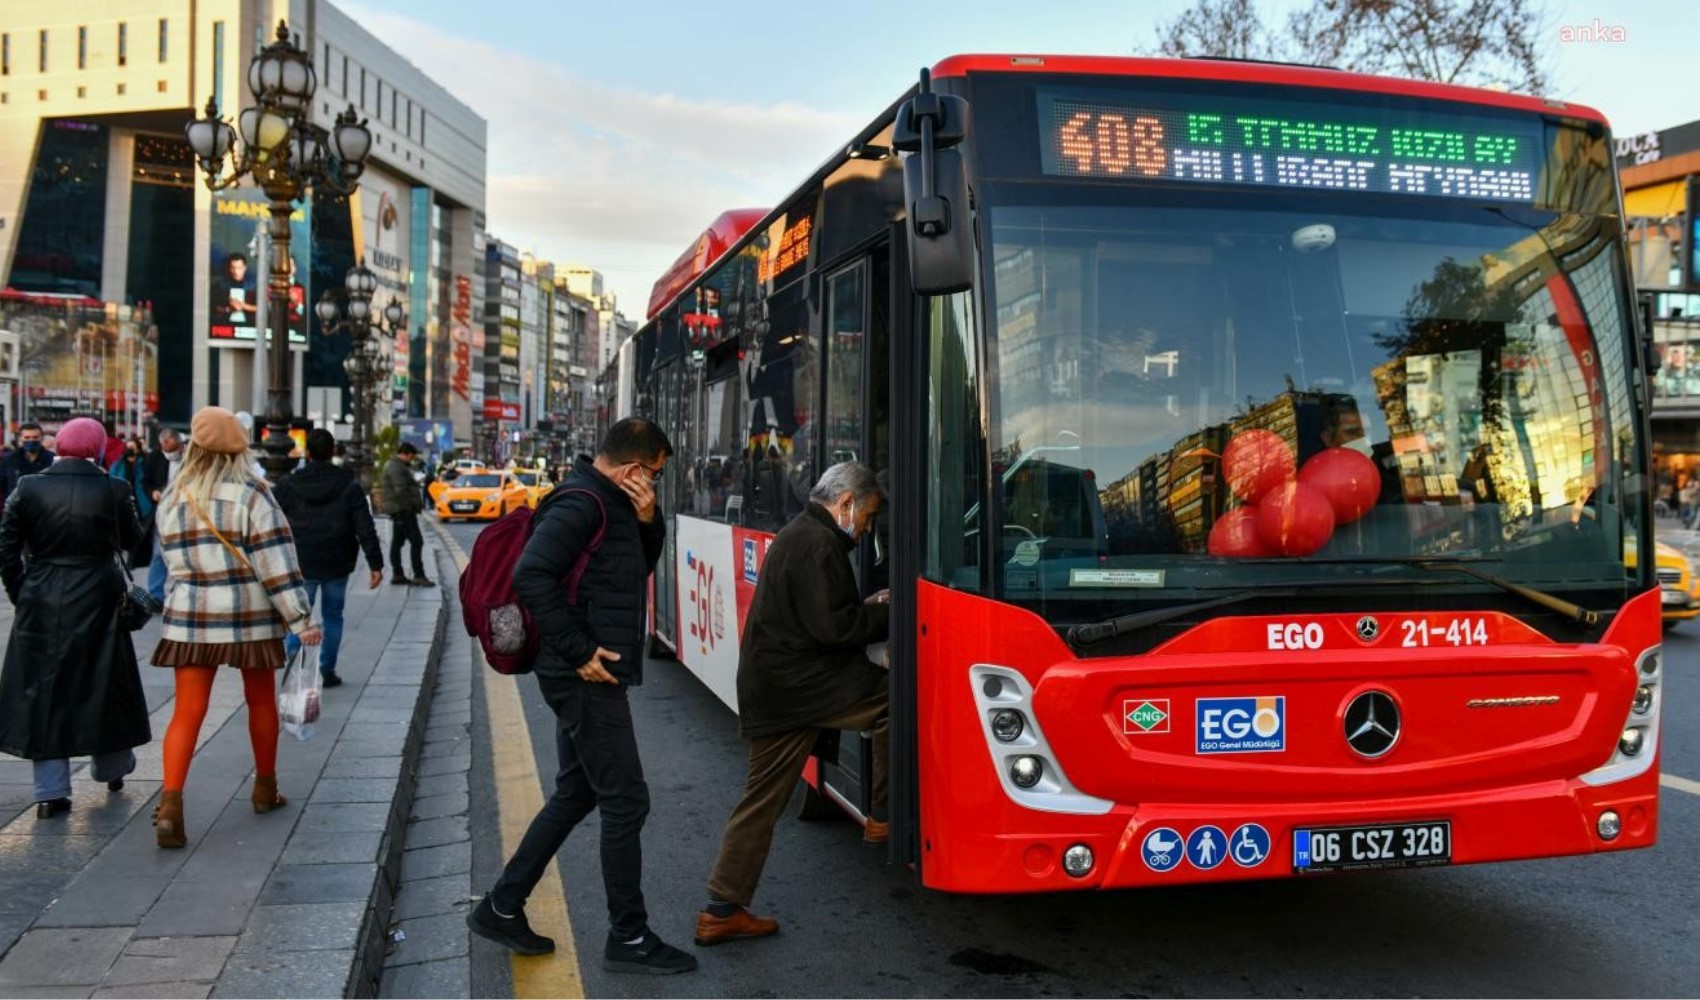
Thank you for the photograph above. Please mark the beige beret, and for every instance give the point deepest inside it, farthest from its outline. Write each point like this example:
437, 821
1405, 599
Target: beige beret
216, 429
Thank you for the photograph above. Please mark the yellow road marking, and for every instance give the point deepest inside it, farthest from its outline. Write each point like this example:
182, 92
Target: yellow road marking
1680, 784
519, 796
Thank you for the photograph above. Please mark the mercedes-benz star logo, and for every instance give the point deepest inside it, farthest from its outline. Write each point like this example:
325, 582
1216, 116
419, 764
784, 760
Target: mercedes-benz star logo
1368, 628
1372, 724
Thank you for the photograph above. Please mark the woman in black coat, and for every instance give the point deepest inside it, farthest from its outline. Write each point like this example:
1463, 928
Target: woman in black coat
69, 686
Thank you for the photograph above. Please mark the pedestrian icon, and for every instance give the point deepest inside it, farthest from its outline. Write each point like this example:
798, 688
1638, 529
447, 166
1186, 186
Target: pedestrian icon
1249, 845
1206, 847
1162, 849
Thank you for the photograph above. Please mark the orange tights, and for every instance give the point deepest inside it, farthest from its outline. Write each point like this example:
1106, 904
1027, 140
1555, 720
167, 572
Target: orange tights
194, 690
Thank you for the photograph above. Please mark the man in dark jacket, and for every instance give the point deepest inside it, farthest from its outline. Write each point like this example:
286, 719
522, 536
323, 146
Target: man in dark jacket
331, 522
591, 653
27, 459
403, 502
802, 668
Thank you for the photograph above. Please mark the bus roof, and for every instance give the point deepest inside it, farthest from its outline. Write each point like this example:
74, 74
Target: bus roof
718, 238
1250, 71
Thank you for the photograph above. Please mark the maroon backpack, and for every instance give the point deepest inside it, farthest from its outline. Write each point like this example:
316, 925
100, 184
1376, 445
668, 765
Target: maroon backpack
493, 613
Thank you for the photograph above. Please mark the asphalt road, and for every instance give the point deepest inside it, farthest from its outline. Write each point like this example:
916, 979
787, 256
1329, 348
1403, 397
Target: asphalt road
1613, 925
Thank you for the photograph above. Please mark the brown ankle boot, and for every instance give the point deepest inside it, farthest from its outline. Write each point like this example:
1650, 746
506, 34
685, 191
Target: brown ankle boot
266, 797
168, 820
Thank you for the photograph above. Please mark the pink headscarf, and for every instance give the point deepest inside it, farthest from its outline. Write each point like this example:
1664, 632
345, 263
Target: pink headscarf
82, 438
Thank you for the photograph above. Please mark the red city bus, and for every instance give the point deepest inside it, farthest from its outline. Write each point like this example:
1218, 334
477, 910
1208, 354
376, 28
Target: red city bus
1267, 463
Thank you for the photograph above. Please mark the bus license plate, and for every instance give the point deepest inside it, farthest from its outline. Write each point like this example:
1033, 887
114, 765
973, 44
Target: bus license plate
1391, 845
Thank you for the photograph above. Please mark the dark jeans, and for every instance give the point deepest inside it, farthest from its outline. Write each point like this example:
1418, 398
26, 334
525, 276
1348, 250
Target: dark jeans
599, 768
405, 528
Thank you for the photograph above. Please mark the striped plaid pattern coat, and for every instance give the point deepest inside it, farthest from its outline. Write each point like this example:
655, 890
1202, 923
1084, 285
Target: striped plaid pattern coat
210, 596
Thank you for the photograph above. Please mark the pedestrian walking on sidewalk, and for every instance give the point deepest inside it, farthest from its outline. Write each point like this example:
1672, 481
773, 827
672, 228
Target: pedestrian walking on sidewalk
32, 455
803, 667
236, 589
158, 470
130, 469
591, 654
332, 522
403, 502
70, 687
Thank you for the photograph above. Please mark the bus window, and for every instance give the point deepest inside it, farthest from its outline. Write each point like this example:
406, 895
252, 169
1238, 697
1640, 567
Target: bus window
955, 444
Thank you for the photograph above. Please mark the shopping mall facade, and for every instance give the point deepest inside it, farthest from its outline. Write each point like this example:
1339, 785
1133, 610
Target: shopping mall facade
131, 288
1661, 182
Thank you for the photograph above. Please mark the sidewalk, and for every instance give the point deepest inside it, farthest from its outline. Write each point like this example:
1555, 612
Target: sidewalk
296, 903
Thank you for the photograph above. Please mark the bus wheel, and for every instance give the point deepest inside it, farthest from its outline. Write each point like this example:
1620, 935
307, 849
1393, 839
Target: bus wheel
815, 806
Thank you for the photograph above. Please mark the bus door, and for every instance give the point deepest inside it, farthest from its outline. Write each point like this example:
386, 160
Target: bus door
670, 391
856, 413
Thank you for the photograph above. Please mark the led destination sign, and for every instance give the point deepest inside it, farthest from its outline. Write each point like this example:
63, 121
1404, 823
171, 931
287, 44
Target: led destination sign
1288, 144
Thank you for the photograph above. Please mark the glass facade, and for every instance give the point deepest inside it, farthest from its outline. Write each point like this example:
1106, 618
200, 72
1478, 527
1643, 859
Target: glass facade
60, 241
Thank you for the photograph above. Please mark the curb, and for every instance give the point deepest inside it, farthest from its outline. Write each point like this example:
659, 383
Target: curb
372, 942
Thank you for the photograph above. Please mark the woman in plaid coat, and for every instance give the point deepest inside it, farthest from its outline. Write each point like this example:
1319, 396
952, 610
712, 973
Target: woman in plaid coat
234, 590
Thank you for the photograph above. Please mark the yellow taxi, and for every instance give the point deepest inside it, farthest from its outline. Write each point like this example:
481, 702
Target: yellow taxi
536, 483
1679, 588
482, 496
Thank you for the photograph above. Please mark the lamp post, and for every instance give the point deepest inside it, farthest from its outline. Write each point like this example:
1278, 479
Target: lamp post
351, 310
287, 156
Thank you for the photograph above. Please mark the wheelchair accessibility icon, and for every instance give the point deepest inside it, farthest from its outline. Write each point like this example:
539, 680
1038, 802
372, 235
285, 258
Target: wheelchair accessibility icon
1249, 845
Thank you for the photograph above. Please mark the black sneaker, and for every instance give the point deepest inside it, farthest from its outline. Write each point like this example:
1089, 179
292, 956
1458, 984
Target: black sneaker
513, 933
332, 680
420, 581
399, 581
650, 957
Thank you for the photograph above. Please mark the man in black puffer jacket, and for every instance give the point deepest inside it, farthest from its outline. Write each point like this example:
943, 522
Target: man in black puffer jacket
592, 651
332, 522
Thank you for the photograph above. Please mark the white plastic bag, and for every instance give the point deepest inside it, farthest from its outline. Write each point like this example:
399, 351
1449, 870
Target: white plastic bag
298, 696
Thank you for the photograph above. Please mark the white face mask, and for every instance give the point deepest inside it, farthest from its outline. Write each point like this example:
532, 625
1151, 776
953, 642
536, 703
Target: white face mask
1361, 446
848, 527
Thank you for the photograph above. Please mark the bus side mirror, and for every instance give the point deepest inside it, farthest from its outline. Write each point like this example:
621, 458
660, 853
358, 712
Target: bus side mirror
940, 228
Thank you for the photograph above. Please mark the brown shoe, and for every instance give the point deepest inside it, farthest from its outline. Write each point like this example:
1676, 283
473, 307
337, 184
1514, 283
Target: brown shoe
740, 925
266, 797
168, 821
876, 832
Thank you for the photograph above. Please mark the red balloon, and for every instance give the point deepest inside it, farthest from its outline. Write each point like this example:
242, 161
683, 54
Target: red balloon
1349, 480
1295, 519
1235, 534
1255, 462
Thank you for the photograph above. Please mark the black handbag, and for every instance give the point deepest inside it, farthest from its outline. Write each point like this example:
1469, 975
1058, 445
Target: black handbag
138, 606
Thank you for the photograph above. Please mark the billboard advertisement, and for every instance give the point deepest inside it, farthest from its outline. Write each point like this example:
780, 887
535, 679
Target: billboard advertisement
239, 220
77, 356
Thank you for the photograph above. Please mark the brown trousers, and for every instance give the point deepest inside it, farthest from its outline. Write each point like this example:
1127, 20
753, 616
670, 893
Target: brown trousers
776, 762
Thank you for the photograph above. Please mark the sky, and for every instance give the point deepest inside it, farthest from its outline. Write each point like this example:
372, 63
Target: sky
619, 130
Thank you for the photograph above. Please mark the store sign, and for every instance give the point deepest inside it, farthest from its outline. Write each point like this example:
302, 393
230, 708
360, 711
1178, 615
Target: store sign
460, 333
495, 409
1637, 150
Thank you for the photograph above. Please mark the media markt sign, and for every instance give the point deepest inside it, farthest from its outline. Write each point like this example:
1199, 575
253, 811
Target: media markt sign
1149, 715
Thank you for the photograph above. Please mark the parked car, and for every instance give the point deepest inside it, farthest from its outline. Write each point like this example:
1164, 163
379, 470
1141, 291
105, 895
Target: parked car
537, 485
481, 496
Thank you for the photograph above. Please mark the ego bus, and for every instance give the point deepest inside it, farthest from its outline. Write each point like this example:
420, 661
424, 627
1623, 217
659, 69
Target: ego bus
1263, 484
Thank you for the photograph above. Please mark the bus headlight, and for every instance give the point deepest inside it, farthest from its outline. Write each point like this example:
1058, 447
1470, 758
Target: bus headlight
1026, 771
1007, 725
1643, 702
1631, 742
1077, 860
1609, 825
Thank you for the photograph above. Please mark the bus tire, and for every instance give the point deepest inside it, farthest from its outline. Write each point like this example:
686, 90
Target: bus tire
813, 806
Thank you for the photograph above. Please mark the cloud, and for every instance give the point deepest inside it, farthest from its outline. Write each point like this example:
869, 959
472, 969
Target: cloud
617, 179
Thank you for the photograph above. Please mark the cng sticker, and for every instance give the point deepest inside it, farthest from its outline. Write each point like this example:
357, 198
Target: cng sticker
1145, 715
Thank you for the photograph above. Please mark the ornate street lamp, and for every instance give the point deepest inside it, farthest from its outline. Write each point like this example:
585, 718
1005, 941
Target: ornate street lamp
350, 310
287, 156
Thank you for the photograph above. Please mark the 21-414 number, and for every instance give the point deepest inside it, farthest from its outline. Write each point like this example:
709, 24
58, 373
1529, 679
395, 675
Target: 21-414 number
1457, 632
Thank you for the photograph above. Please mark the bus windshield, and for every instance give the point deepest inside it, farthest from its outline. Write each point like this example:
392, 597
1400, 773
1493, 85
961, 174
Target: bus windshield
1448, 378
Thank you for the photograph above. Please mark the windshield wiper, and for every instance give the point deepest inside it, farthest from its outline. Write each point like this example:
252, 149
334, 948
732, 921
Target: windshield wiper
1086, 635
1569, 609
